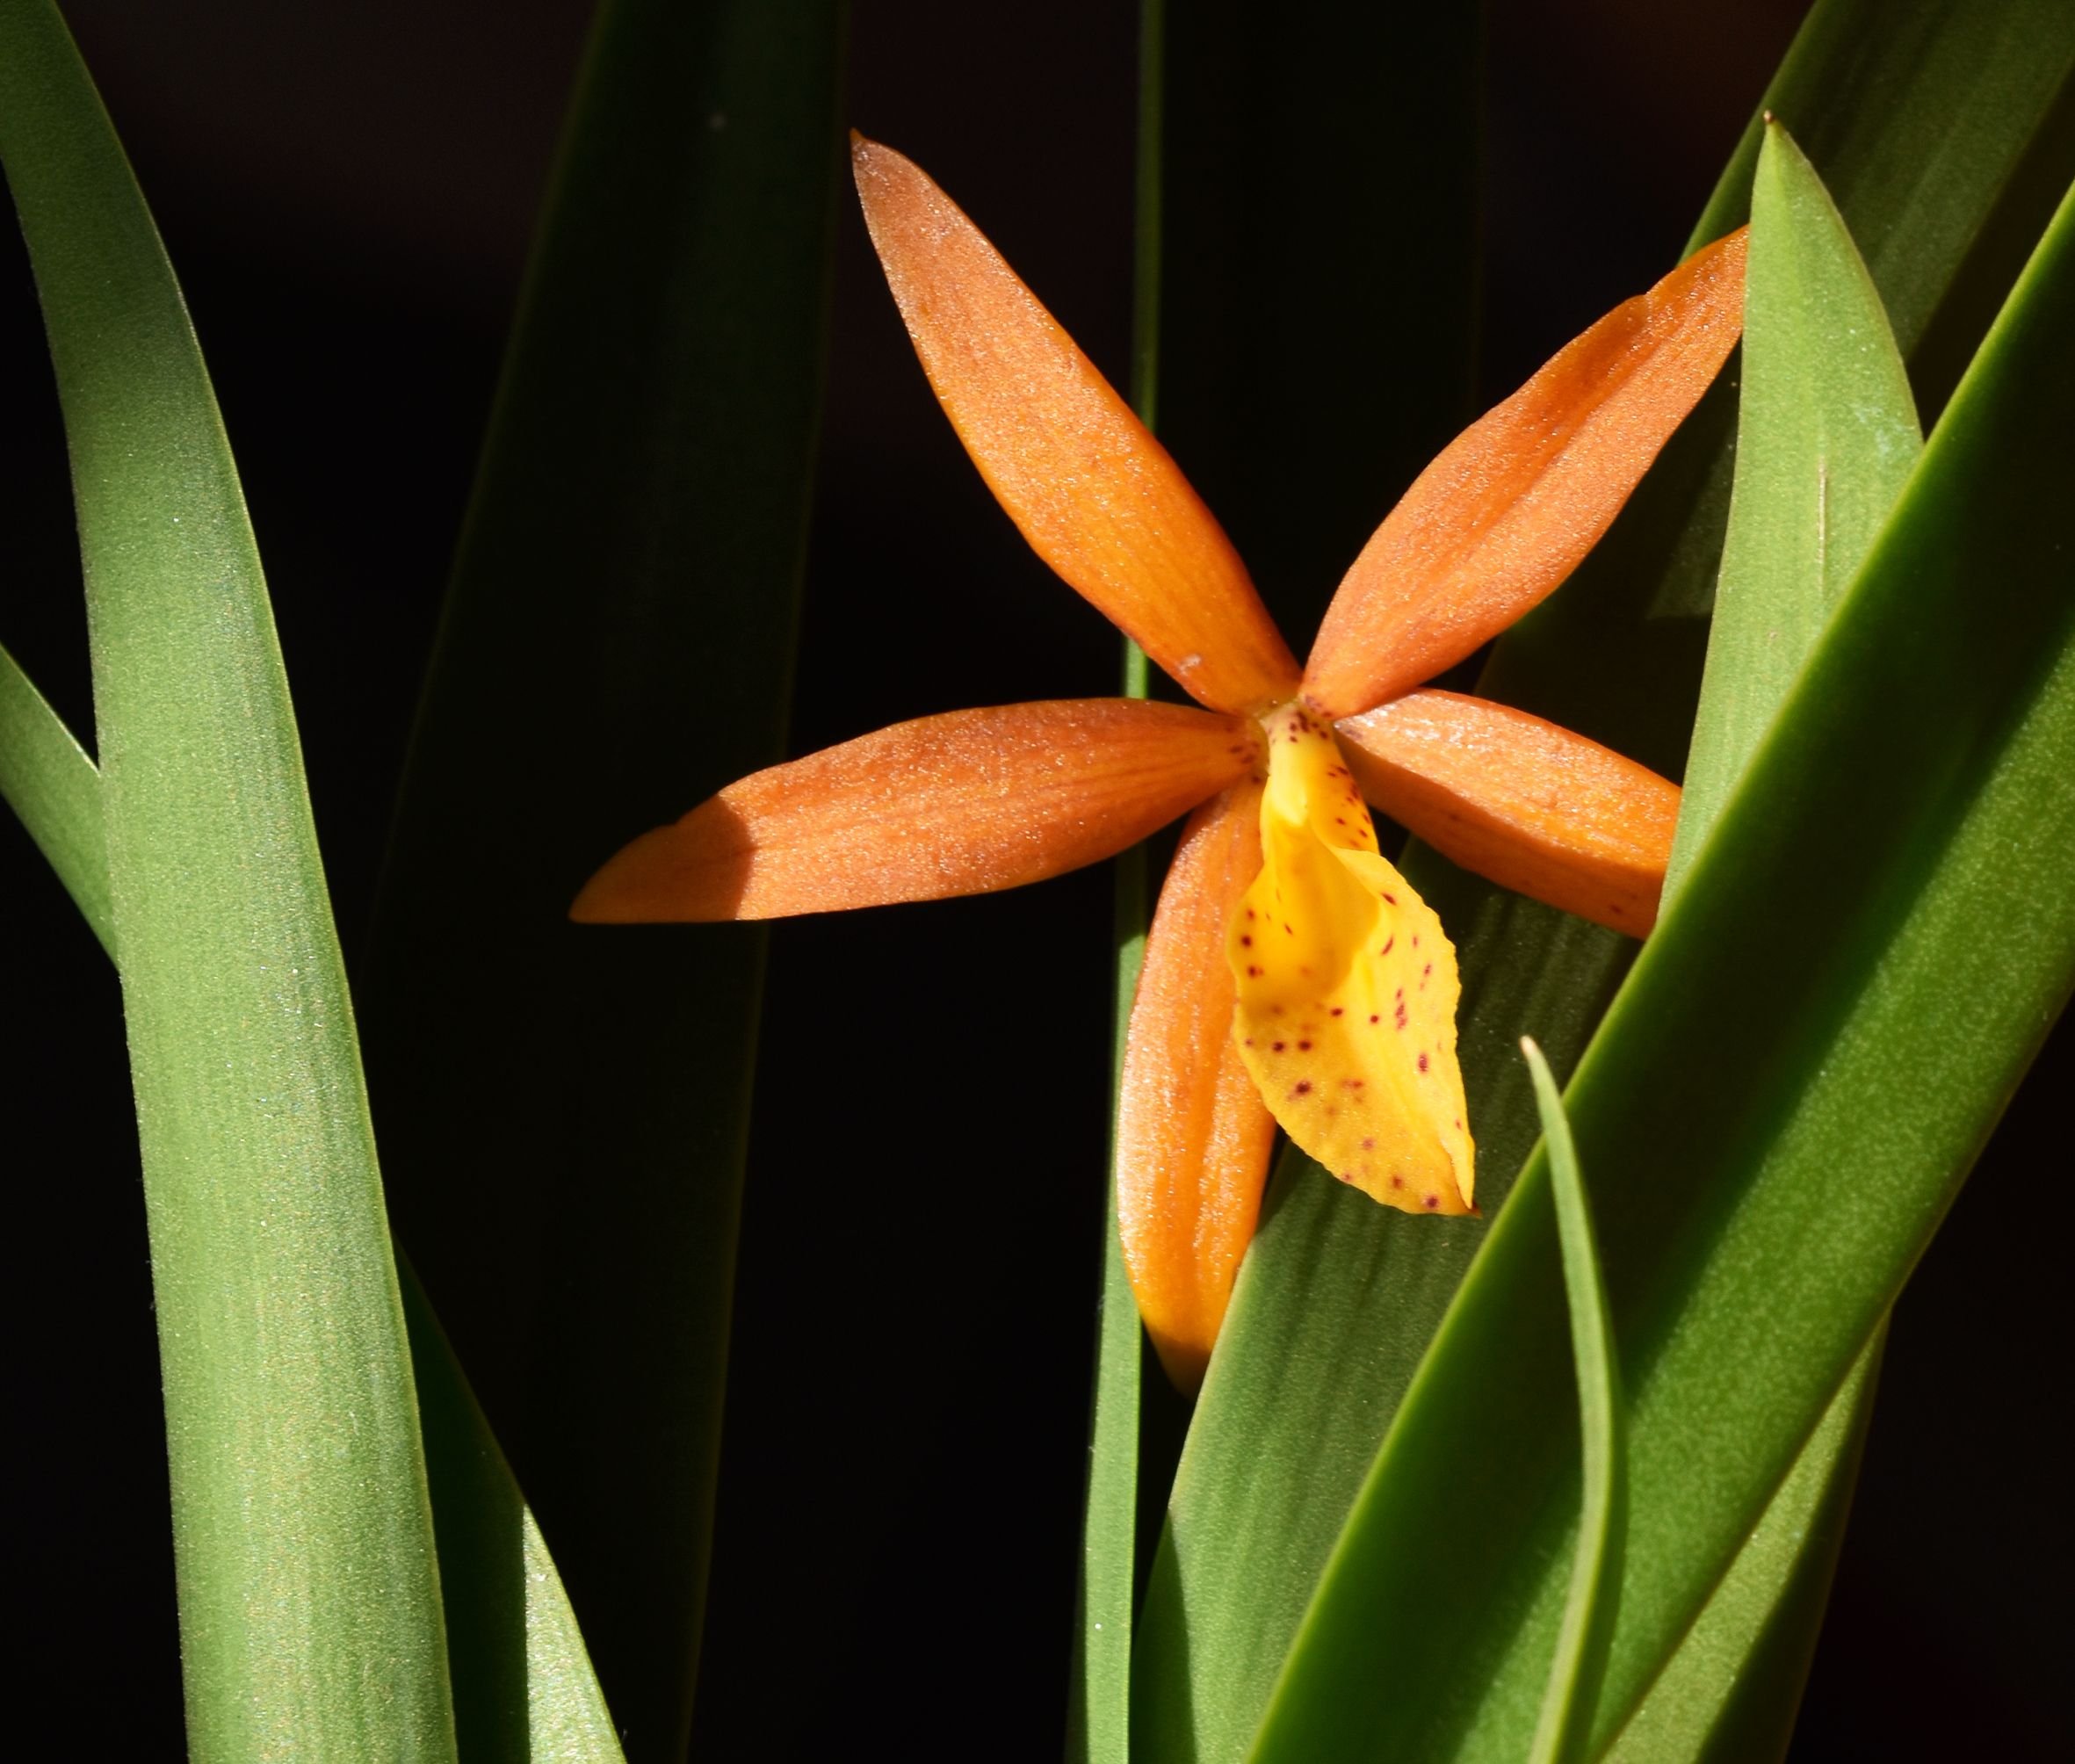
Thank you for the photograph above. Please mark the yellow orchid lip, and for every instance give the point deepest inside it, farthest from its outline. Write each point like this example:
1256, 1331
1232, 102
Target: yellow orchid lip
1292, 976
1346, 988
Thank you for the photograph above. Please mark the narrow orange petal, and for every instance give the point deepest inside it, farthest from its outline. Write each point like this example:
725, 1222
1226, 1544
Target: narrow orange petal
1097, 497
1532, 807
961, 804
1514, 503
1192, 1137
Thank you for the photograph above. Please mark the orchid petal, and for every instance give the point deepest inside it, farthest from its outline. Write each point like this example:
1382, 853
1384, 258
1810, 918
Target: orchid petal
1522, 802
966, 803
1098, 498
1514, 504
1192, 1136
1346, 989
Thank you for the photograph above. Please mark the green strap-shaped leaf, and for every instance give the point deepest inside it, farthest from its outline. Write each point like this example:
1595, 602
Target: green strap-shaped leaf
523, 1684
1805, 1060
49, 781
1098, 1709
1338, 1299
1586, 1626
1099, 1688
1826, 435
523, 1687
309, 1602
1732, 1691
564, 1108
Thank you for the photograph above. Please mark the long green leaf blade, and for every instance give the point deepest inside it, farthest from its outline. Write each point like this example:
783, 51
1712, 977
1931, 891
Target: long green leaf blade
1337, 1301
1099, 1697
1771, 1158
50, 782
1586, 1626
1826, 436
1732, 1690
310, 1615
523, 1682
565, 1109
523, 1687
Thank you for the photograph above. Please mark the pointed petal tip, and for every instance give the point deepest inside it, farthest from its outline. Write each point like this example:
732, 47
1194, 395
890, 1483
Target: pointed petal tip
643, 883
1095, 494
1185, 1362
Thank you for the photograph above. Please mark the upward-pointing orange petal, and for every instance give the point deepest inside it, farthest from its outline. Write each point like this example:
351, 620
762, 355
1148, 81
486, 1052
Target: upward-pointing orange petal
1193, 1136
962, 804
1514, 504
1097, 497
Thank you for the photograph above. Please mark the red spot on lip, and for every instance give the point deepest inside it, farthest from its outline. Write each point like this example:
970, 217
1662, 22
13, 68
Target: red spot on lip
1355, 1084
1373, 1017
1389, 944
1369, 1145
1253, 973
1433, 1201
1339, 1010
1397, 1181
1422, 1062
1303, 1087
1276, 1046
1304, 1047
1392, 901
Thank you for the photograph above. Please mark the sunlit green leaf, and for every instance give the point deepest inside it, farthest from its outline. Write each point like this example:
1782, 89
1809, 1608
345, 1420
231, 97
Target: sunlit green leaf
49, 781
1586, 1627
1826, 436
1808, 1056
1339, 1299
1729, 1693
523, 1683
309, 1602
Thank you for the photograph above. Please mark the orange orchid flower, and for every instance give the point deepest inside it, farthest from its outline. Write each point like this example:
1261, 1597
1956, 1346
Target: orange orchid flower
1291, 975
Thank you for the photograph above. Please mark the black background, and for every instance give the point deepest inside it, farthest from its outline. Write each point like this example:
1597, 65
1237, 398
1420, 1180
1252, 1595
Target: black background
347, 193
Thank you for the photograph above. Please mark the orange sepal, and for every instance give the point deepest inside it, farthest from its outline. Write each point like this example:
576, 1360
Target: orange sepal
1097, 497
1192, 1136
1514, 503
1529, 806
966, 803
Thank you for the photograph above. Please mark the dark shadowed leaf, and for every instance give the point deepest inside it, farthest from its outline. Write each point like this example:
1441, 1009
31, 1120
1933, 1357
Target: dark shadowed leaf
564, 1105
